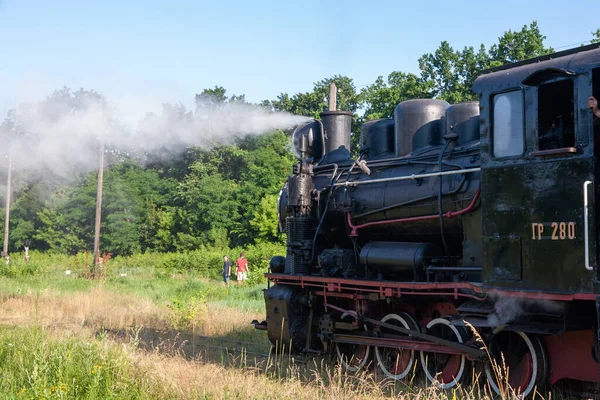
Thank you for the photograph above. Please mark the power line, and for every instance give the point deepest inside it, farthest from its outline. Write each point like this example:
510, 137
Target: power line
573, 44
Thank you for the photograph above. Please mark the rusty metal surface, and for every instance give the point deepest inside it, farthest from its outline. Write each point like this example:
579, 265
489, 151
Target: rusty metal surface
388, 288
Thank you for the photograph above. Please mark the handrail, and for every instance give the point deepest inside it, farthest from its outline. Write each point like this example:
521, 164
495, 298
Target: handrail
554, 152
586, 234
407, 177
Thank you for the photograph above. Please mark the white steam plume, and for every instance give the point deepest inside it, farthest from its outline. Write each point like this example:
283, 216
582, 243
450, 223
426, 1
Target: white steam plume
509, 309
55, 138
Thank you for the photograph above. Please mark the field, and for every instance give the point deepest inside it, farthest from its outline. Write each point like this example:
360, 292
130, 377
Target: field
148, 333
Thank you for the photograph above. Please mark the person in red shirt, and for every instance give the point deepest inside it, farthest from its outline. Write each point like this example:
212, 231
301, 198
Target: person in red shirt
242, 268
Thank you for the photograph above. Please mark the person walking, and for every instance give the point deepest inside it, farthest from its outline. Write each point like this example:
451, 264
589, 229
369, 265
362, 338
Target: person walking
242, 269
226, 269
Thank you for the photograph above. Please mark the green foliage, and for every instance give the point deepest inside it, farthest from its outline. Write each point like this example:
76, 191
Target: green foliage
450, 74
13, 269
381, 97
56, 233
596, 36
264, 220
518, 46
185, 312
206, 262
35, 365
311, 104
258, 256
215, 97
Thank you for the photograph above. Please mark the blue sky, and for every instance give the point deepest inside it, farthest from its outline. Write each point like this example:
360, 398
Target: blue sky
170, 50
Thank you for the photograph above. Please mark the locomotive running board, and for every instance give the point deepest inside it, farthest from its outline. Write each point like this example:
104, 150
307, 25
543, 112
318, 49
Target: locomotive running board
407, 343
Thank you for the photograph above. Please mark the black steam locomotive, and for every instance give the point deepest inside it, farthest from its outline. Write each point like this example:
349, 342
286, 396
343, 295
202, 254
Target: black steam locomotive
480, 213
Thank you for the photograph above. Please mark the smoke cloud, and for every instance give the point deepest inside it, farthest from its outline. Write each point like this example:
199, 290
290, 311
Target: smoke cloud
52, 136
509, 309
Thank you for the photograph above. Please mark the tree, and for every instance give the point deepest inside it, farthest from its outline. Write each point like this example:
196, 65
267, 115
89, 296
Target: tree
55, 232
450, 73
518, 46
311, 104
216, 97
596, 35
157, 230
381, 97
264, 220
206, 203
170, 160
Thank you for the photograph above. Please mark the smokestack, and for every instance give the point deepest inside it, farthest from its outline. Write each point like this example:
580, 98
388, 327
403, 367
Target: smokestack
332, 96
337, 124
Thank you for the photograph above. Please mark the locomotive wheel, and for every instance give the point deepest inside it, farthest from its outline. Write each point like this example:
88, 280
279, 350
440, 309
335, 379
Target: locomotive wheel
352, 356
444, 370
525, 362
396, 363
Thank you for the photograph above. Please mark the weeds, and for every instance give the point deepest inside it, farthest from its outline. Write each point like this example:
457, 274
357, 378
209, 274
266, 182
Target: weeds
85, 313
184, 313
35, 365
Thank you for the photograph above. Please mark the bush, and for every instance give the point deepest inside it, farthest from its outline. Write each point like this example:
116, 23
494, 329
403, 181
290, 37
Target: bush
258, 256
205, 262
184, 312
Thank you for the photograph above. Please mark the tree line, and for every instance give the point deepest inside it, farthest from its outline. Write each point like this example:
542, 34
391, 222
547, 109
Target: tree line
226, 195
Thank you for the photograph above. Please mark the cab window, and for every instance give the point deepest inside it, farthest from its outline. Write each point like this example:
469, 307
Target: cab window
556, 115
507, 127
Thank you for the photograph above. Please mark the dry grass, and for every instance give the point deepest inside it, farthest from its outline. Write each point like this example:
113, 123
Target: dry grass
94, 309
191, 370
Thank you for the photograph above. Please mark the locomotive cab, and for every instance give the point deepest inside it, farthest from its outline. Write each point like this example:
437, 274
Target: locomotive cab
538, 174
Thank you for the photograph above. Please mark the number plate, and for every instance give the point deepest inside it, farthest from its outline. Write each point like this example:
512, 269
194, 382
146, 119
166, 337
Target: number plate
553, 231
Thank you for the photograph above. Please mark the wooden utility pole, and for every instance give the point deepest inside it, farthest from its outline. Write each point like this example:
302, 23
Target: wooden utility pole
98, 208
332, 96
7, 217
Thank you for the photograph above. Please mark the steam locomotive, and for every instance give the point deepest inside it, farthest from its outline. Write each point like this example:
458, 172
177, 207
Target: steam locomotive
477, 217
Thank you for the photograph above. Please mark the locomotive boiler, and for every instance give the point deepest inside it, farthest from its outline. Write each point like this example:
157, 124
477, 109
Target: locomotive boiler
393, 202
453, 220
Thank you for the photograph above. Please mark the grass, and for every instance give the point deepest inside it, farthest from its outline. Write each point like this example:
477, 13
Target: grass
37, 365
162, 288
144, 335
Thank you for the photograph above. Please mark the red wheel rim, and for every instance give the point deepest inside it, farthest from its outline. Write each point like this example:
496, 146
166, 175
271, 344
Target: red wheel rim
451, 369
402, 360
393, 362
359, 355
444, 370
354, 355
523, 362
520, 373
